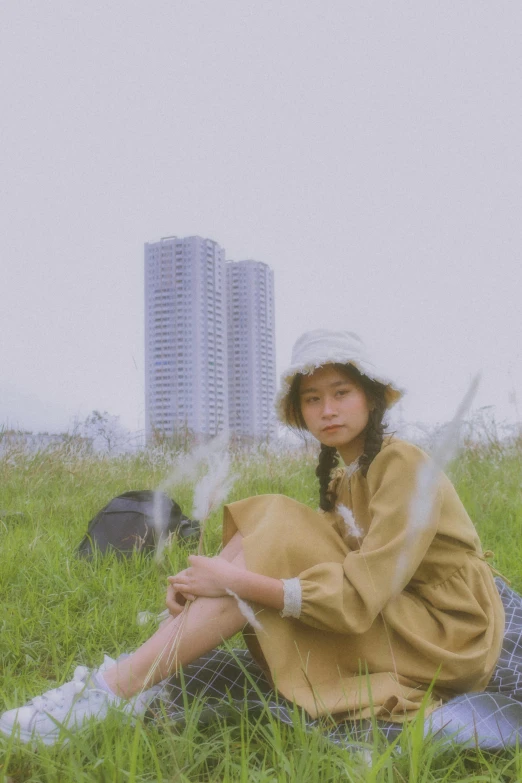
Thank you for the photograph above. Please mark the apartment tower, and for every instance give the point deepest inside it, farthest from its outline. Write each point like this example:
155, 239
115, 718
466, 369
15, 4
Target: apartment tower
251, 349
186, 371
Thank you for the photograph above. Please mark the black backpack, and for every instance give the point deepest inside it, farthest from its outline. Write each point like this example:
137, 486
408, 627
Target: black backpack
126, 524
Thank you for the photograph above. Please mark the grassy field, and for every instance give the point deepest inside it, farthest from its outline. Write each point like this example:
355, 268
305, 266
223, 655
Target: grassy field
59, 611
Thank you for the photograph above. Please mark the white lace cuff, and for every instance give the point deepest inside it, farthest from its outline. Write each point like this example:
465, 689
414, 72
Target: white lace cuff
292, 593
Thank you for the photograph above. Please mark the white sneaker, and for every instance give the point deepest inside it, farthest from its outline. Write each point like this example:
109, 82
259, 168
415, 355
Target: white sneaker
69, 707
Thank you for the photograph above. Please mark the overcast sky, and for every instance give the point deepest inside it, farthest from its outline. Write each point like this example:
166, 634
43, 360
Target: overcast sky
369, 152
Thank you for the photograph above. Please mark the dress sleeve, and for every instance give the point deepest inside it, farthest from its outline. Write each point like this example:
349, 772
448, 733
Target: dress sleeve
347, 597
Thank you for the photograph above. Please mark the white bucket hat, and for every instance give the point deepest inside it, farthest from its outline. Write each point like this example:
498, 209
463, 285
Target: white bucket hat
323, 346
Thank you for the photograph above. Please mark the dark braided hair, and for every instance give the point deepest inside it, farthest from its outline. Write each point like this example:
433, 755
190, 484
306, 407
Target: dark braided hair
328, 460
374, 432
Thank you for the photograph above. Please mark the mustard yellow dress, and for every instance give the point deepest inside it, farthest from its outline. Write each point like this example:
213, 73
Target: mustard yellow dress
390, 601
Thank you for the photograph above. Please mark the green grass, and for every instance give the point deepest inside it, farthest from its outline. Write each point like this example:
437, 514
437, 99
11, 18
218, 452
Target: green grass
59, 611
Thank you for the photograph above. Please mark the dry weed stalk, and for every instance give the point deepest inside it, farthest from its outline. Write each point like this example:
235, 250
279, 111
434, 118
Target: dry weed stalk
209, 492
188, 468
212, 489
428, 477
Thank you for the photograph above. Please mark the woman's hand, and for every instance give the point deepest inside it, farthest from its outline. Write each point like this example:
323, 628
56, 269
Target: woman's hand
175, 600
205, 576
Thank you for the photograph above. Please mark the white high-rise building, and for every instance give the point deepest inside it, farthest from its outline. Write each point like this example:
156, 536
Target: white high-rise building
186, 383
251, 349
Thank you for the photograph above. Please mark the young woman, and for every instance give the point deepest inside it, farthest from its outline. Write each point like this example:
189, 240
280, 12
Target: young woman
362, 605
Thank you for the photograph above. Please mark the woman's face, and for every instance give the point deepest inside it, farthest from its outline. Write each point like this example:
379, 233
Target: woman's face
335, 410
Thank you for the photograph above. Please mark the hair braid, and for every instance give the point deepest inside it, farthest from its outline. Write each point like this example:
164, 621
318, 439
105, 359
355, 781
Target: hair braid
374, 433
328, 460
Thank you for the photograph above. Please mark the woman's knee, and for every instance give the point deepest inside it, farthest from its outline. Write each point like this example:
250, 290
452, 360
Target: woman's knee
233, 548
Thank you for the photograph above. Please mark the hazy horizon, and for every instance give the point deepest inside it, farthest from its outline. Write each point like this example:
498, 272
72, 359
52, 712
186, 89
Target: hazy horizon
369, 154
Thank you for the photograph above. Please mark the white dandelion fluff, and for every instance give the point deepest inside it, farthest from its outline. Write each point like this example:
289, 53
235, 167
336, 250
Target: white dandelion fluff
246, 610
143, 618
350, 525
210, 491
214, 487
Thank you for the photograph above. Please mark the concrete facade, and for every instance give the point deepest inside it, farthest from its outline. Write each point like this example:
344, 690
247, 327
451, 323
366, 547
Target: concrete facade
251, 349
186, 383
209, 341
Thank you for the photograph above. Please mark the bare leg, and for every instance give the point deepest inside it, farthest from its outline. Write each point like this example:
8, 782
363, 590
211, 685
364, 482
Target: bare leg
233, 549
182, 639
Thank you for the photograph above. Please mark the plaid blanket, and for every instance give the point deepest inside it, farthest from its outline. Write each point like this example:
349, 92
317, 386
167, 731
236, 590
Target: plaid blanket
227, 683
